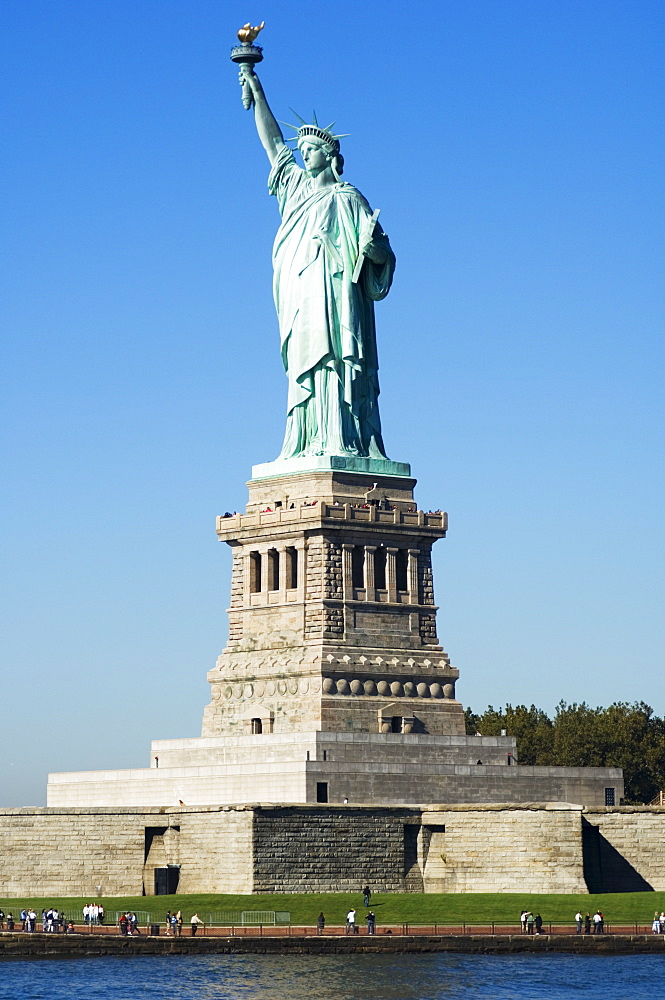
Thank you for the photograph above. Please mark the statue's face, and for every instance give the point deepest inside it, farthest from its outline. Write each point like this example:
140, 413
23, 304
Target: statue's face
314, 156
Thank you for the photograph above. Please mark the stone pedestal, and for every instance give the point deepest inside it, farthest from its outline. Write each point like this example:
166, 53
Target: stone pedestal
332, 616
333, 686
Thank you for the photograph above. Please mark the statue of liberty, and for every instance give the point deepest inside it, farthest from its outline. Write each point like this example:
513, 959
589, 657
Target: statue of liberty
331, 264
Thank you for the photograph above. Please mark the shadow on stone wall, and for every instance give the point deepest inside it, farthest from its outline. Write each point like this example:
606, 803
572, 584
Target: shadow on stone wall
413, 875
605, 869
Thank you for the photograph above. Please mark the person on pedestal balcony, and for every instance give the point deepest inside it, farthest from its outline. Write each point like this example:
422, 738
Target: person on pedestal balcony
331, 263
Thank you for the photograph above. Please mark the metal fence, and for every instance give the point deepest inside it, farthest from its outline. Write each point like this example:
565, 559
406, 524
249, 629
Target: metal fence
71, 913
219, 918
248, 918
110, 916
278, 924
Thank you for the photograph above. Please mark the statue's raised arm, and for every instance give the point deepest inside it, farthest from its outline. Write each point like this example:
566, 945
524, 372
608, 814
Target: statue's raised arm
269, 131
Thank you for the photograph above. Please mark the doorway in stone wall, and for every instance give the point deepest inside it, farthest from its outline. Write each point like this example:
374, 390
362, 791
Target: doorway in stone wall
166, 880
161, 853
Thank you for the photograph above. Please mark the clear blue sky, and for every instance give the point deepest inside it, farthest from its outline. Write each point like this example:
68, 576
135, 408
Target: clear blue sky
515, 148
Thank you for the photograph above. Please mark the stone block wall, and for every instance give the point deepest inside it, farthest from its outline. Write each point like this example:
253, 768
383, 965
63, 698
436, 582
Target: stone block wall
216, 851
332, 570
625, 849
425, 576
328, 849
237, 577
69, 852
378, 783
502, 849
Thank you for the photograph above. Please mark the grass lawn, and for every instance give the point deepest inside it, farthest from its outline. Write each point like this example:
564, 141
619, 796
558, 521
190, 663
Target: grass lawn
390, 908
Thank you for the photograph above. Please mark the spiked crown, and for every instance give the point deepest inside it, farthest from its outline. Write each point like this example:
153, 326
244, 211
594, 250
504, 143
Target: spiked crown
316, 131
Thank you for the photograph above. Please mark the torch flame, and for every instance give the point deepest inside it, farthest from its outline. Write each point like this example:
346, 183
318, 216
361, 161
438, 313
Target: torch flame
247, 33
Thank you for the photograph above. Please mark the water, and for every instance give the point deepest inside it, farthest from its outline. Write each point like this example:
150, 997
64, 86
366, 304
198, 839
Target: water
353, 977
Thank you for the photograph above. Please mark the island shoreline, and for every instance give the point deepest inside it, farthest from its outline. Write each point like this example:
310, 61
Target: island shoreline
18, 946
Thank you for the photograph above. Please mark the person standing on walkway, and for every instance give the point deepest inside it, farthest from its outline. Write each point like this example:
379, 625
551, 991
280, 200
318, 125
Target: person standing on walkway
529, 922
320, 923
587, 923
523, 920
538, 921
578, 922
195, 922
371, 923
351, 922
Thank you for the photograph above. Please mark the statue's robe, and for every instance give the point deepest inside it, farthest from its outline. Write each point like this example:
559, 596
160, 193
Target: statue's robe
326, 319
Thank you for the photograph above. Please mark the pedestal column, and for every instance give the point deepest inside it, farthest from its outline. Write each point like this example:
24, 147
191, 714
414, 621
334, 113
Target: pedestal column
391, 574
347, 571
370, 586
413, 576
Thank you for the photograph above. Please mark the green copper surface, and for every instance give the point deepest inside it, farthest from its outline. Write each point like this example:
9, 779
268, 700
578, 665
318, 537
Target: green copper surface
340, 463
332, 262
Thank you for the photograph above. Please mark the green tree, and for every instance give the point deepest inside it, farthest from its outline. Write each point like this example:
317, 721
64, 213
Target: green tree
531, 728
624, 735
471, 722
